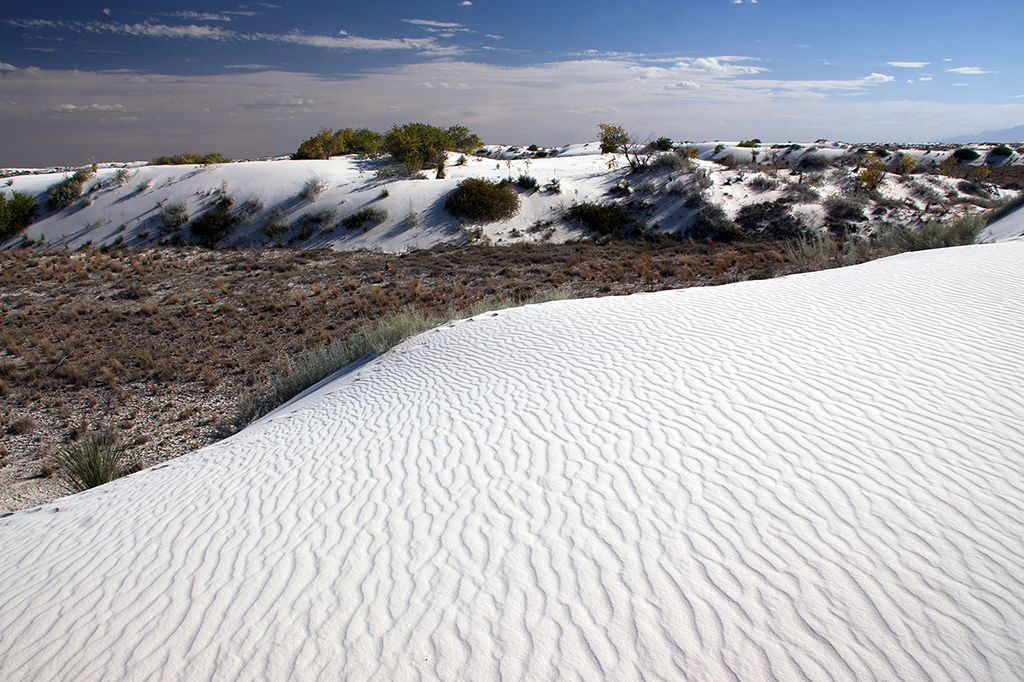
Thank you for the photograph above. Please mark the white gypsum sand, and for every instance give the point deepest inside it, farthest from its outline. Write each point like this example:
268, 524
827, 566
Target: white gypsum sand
817, 477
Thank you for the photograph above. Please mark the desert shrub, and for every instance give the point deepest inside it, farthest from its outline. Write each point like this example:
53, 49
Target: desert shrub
814, 162
612, 137
799, 191
554, 186
172, 216
188, 159
662, 144
749, 143
312, 188
872, 175
217, 222
905, 164
677, 189
769, 219
370, 214
712, 223
329, 142
925, 193
62, 194
841, 208
412, 219
611, 218
764, 183
274, 225
966, 154
315, 220
934, 235
481, 201
461, 161
687, 152
121, 177
418, 145
527, 182
719, 148
15, 214
1001, 150
672, 162
96, 459
143, 186
974, 188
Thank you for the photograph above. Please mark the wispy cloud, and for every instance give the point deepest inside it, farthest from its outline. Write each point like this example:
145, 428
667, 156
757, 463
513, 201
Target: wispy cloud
438, 26
197, 32
969, 71
909, 65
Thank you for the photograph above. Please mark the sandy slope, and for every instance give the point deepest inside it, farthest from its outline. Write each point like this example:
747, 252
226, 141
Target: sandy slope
818, 477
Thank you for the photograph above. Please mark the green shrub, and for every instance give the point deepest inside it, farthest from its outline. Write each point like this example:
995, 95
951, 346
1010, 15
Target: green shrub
966, 154
702, 178
769, 219
712, 224
216, 223
798, 191
606, 219
315, 220
173, 216
672, 162
527, 182
1001, 150
418, 145
974, 188
814, 162
15, 214
189, 159
96, 459
397, 171
554, 186
370, 214
328, 143
481, 201
749, 143
662, 144
612, 137
62, 194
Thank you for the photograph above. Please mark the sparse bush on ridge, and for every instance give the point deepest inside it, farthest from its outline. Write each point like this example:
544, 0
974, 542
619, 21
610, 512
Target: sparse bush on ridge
1001, 150
96, 459
763, 183
662, 144
189, 159
16, 214
370, 214
481, 201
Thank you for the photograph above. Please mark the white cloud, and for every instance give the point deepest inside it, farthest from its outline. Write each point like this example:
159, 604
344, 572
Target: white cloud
200, 16
925, 78
465, 3
968, 71
878, 78
909, 65
960, 85
494, 36
107, 12
87, 108
434, 24
7, 67
685, 85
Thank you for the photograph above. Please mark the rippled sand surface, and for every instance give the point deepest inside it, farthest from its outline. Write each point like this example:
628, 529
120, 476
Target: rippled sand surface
819, 477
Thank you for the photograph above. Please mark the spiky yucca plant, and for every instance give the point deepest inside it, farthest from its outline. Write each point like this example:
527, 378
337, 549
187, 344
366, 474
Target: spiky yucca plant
96, 459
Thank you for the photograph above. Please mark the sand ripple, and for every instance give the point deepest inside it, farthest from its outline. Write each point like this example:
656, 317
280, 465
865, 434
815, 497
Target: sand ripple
813, 478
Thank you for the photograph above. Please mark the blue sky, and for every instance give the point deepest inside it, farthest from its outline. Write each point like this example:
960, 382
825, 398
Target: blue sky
121, 80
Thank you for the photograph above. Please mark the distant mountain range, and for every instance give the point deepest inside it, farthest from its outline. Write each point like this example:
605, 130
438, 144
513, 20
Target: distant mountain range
1009, 135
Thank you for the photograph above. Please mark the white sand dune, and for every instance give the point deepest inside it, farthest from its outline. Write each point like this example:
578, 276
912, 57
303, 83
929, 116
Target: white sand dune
819, 477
